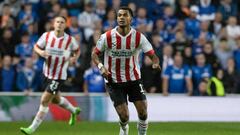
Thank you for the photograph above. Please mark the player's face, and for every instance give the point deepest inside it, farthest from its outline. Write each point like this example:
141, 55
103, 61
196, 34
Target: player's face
59, 24
123, 18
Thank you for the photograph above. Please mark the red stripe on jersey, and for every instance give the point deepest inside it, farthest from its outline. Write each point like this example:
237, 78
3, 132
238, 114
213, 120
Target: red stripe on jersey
127, 60
55, 67
127, 69
118, 70
68, 42
134, 69
109, 39
137, 42
110, 67
49, 60
60, 43
60, 73
53, 42
151, 52
97, 51
118, 38
47, 36
128, 42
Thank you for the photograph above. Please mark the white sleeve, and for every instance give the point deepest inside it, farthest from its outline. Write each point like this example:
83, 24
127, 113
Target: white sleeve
41, 43
101, 43
145, 44
75, 44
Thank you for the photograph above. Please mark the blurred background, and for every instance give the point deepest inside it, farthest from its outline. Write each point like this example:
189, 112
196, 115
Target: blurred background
197, 41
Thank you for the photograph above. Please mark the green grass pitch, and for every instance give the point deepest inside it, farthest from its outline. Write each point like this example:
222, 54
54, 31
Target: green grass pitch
104, 128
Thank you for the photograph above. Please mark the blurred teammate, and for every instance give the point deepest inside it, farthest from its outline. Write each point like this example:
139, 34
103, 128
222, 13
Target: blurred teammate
121, 47
58, 48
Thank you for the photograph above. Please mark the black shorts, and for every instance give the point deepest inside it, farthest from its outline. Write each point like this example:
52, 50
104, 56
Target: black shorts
119, 92
52, 86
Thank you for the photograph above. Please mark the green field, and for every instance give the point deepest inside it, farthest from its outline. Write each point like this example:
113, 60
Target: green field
102, 128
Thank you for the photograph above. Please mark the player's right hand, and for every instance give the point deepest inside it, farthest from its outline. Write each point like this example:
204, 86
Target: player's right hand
105, 73
44, 54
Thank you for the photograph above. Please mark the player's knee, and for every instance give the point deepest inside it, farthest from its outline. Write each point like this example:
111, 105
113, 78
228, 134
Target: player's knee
44, 103
143, 116
124, 117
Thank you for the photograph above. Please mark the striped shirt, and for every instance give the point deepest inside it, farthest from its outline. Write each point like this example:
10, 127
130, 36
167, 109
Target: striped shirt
121, 54
59, 48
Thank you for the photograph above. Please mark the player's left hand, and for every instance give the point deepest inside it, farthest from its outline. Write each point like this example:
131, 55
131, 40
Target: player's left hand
156, 66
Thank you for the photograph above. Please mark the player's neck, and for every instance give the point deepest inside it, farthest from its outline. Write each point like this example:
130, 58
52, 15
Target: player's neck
123, 30
58, 33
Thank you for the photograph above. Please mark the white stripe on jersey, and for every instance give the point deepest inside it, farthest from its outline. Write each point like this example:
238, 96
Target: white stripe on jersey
55, 67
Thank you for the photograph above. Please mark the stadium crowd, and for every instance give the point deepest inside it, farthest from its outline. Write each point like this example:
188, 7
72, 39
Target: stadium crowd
197, 41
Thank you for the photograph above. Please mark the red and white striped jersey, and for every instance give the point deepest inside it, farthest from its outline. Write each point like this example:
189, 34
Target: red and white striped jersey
59, 48
121, 54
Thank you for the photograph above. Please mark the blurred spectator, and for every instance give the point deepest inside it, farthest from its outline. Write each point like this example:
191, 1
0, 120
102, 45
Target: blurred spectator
8, 42
206, 10
87, 20
160, 28
231, 78
155, 9
204, 31
37, 62
182, 9
74, 7
15, 6
217, 24
180, 43
199, 71
198, 46
151, 78
232, 28
33, 32
25, 48
115, 4
187, 56
211, 57
101, 8
227, 8
133, 7
64, 12
169, 18
54, 10
223, 52
7, 75
157, 45
110, 22
167, 57
212, 86
74, 29
236, 55
28, 79
6, 18
93, 80
142, 23
192, 25
70, 84
26, 17
177, 78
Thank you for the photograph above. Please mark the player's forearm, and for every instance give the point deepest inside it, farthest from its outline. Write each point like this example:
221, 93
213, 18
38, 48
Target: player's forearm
38, 50
95, 58
76, 53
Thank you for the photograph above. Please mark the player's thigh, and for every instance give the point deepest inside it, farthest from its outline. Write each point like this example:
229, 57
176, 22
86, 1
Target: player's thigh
136, 91
118, 95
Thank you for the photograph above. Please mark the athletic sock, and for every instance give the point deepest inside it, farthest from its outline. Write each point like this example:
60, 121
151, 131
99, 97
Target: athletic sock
64, 103
42, 112
142, 127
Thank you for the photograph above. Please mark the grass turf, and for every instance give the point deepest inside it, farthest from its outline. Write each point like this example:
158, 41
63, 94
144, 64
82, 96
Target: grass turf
104, 128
